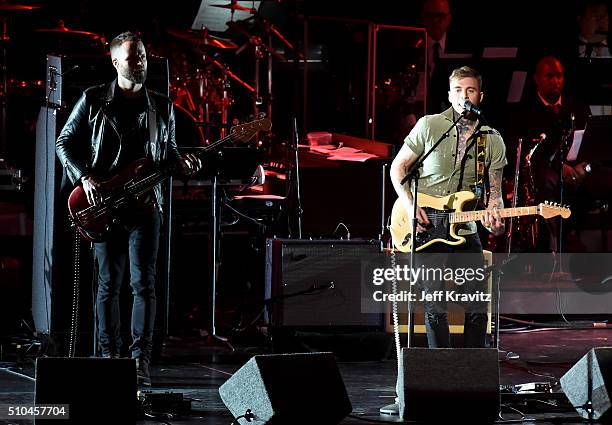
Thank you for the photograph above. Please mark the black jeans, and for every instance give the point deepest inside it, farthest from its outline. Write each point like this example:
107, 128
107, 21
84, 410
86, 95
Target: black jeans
137, 238
467, 255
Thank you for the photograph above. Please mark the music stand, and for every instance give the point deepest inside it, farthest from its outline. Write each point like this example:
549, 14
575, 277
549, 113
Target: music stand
595, 145
232, 163
221, 168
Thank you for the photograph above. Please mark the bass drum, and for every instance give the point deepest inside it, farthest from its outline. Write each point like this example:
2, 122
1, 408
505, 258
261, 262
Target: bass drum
188, 131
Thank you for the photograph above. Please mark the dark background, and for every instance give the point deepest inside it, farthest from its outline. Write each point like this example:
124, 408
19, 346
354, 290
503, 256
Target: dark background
336, 98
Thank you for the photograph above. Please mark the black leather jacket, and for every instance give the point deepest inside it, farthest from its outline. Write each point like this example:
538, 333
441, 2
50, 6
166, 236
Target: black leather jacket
93, 124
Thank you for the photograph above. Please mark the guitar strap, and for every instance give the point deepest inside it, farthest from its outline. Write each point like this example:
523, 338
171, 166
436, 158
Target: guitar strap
481, 142
153, 129
152, 121
480, 146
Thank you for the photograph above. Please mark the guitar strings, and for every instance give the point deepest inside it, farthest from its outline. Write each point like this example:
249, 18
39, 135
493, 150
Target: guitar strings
443, 214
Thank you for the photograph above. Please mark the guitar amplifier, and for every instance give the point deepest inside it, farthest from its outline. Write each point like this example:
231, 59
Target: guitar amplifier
314, 284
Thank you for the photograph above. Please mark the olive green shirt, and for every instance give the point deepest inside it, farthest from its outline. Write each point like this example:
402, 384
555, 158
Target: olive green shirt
441, 173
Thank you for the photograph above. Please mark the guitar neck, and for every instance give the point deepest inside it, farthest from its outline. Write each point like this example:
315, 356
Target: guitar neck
160, 175
242, 132
465, 216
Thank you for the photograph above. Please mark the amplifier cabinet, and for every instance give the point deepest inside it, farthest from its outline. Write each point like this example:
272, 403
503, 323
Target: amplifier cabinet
317, 283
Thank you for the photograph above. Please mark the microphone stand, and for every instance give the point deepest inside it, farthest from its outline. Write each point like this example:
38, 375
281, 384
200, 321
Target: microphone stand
413, 176
293, 180
563, 148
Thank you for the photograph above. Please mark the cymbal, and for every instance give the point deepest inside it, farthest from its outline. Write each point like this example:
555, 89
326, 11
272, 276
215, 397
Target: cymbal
6, 6
63, 29
235, 6
202, 38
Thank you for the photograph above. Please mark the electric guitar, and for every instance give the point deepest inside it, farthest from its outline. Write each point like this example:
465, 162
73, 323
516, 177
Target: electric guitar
136, 179
446, 213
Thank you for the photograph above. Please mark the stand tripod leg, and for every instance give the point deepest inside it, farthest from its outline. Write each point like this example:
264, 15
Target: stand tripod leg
215, 247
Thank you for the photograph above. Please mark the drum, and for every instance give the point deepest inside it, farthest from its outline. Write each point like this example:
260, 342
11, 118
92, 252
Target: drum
189, 132
199, 92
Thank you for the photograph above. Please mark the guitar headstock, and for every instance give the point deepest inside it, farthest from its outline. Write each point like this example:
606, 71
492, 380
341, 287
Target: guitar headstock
548, 210
244, 132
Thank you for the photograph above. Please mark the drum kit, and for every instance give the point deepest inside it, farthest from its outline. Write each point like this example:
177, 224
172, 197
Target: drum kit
202, 84
208, 87
60, 38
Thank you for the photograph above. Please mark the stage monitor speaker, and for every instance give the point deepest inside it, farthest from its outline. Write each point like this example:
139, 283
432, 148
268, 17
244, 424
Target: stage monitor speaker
449, 384
96, 390
288, 389
591, 374
327, 274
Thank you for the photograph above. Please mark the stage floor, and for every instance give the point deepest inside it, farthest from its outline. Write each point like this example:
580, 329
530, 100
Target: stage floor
197, 370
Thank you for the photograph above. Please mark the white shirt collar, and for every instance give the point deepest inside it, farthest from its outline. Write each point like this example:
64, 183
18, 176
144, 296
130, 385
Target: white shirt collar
547, 103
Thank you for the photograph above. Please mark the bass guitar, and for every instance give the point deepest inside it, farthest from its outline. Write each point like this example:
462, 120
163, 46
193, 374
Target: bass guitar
136, 179
446, 213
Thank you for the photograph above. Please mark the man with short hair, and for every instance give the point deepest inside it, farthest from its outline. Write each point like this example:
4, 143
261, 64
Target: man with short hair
452, 167
111, 126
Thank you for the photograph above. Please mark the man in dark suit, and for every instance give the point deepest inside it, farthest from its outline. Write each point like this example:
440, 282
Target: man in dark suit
546, 121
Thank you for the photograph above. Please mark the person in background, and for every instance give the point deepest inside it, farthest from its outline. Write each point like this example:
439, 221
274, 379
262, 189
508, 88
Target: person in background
437, 17
545, 121
593, 21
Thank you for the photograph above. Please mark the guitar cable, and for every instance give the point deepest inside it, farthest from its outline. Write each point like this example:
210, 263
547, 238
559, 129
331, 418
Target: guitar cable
394, 308
74, 319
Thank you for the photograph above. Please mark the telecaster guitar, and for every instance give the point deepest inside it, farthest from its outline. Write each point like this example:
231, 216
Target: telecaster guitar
446, 213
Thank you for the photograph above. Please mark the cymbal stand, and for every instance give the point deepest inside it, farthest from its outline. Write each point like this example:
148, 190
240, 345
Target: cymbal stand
215, 224
270, 98
271, 30
5, 39
260, 48
227, 74
225, 102
259, 54
205, 90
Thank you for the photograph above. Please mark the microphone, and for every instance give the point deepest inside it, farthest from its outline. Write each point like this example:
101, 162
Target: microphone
540, 138
470, 107
74, 68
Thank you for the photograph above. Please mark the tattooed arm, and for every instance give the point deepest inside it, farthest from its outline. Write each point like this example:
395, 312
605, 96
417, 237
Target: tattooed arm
493, 221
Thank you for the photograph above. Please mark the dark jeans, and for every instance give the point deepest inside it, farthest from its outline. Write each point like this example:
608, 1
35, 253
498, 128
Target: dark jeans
137, 238
436, 316
467, 255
